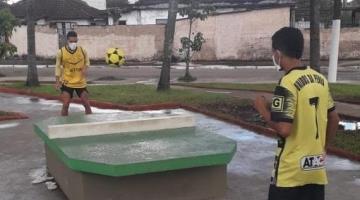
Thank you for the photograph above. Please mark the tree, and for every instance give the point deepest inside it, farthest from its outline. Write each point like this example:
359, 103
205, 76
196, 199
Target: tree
7, 25
164, 82
193, 42
115, 13
32, 75
3, 1
337, 9
315, 34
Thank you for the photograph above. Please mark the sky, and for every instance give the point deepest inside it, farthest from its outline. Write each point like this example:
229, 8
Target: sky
13, 1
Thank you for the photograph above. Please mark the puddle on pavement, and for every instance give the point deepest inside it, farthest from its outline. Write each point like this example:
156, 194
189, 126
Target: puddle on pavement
255, 152
34, 99
357, 181
8, 125
350, 125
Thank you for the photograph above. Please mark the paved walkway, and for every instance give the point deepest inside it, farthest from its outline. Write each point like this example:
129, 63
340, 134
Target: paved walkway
22, 153
150, 74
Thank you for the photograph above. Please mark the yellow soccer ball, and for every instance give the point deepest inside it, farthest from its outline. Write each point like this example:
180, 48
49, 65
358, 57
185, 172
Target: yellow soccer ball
115, 57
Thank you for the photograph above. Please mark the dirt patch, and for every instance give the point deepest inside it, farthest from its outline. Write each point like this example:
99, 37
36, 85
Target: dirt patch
243, 111
351, 100
346, 143
109, 78
220, 88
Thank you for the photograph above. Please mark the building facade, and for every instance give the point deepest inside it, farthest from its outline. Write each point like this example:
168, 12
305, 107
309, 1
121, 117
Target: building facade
144, 12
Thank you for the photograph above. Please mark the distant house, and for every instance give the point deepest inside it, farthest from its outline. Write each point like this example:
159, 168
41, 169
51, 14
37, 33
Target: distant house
141, 12
351, 10
61, 12
350, 13
63, 15
3, 5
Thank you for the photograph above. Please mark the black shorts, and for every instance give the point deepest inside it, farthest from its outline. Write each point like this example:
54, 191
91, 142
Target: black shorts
307, 192
69, 90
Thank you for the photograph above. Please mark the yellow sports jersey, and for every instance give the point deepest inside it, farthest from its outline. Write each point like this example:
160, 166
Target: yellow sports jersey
69, 66
303, 99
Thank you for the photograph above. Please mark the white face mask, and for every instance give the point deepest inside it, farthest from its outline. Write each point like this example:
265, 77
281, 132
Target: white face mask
277, 65
72, 46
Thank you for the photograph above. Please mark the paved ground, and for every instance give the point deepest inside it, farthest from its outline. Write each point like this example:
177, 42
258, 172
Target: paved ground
21, 152
150, 74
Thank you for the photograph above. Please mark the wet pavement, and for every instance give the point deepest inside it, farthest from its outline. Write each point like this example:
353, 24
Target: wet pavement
21, 152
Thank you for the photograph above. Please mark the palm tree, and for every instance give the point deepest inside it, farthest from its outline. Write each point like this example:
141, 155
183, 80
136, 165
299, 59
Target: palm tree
164, 82
315, 34
32, 75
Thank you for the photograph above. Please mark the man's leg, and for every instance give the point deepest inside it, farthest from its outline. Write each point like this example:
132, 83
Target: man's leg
84, 96
65, 98
313, 192
279, 193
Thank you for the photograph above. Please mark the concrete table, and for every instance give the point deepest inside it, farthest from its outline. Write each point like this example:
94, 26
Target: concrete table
171, 163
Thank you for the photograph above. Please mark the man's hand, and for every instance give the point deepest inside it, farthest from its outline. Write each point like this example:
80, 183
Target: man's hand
57, 85
260, 104
83, 71
282, 128
332, 127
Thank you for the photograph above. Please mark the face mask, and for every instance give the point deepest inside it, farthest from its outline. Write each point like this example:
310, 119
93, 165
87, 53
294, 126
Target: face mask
72, 46
277, 65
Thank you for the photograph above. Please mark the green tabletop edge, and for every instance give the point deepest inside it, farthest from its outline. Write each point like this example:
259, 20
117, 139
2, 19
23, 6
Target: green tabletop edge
136, 168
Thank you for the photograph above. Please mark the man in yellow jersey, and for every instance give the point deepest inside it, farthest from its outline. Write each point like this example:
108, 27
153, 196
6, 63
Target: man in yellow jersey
71, 66
303, 114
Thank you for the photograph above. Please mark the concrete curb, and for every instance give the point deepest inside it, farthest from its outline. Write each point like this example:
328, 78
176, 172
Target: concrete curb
220, 88
179, 66
349, 101
13, 116
252, 127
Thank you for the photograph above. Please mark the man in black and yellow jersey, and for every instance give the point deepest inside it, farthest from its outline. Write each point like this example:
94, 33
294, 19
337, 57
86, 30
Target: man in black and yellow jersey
303, 114
70, 71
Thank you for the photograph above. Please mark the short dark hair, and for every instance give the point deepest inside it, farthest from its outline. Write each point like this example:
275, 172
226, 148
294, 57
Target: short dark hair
71, 34
289, 41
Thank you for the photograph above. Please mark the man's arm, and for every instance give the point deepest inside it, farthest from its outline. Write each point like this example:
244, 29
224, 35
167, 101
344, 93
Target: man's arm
282, 128
58, 70
332, 127
87, 62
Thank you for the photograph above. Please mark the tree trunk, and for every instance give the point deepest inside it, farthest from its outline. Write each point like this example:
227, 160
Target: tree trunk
164, 82
315, 34
337, 9
187, 71
32, 75
6, 37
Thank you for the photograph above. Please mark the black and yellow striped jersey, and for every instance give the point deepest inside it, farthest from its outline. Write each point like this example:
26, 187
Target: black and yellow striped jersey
69, 67
303, 99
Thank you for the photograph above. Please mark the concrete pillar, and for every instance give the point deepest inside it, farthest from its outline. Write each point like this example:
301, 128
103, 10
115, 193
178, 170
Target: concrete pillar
334, 51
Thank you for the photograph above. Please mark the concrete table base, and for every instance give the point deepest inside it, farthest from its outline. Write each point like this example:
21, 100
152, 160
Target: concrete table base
187, 184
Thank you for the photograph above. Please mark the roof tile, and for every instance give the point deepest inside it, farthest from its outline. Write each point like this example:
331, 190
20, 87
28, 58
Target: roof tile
58, 10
